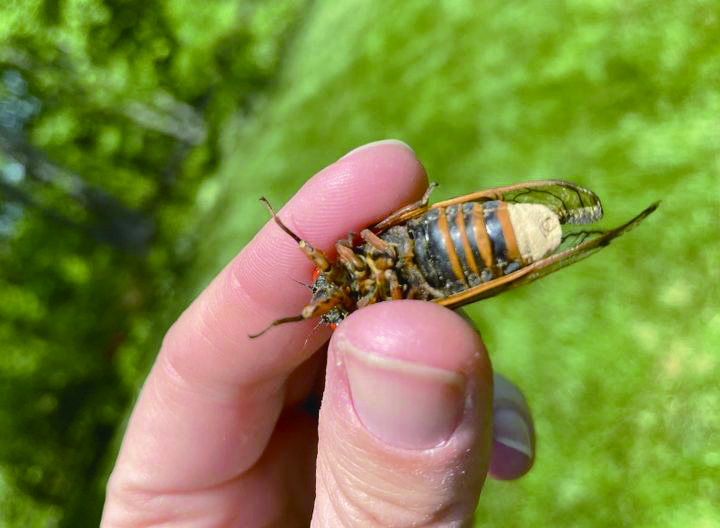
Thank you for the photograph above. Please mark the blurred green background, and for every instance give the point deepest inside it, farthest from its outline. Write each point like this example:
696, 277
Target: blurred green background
135, 140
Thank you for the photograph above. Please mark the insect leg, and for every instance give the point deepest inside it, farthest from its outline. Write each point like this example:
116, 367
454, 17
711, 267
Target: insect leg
372, 296
320, 307
317, 256
368, 299
398, 215
348, 257
378, 243
396, 291
419, 287
374, 285
351, 239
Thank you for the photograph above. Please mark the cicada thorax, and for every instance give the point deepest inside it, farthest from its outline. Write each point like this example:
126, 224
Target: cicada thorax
467, 244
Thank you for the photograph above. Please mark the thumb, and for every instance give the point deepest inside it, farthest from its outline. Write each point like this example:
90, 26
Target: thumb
405, 426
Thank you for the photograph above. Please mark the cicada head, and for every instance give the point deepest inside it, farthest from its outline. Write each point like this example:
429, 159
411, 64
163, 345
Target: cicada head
326, 299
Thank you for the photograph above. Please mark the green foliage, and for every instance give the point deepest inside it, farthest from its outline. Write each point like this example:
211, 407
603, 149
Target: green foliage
109, 119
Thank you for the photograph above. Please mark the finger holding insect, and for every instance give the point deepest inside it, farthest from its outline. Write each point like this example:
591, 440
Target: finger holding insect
405, 423
513, 451
211, 385
397, 390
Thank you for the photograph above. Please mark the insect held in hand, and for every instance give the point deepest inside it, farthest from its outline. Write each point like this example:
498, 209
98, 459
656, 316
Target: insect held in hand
458, 251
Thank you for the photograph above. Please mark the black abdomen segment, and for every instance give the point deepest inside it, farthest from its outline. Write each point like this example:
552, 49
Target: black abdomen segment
460, 246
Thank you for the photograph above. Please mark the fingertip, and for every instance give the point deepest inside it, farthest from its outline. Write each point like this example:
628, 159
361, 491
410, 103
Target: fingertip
389, 145
513, 433
360, 189
417, 331
405, 417
508, 463
410, 367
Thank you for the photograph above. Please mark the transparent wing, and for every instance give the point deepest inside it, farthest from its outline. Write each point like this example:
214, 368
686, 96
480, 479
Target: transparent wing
571, 202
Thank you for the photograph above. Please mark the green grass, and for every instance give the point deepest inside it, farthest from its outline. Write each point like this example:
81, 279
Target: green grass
617, 355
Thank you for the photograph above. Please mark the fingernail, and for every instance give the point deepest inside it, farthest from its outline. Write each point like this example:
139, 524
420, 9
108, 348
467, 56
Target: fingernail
512, 431
407, 405
511, 425
378, 143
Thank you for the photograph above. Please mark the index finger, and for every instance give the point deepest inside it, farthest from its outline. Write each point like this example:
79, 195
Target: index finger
213, 396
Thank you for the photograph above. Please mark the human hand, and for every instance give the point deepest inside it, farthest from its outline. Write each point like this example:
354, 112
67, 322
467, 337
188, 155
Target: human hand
221, 436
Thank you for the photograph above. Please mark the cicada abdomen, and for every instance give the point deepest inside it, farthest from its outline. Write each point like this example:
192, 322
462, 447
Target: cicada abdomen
464, 245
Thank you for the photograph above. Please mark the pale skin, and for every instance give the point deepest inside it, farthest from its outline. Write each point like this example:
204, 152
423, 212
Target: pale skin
224, 434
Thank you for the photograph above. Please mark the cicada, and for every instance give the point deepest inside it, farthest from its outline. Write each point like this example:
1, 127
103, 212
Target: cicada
458, 251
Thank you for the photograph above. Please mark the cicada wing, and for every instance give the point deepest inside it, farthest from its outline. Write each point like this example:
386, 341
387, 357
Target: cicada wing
572, 203
593, 241
399, 217
406, 213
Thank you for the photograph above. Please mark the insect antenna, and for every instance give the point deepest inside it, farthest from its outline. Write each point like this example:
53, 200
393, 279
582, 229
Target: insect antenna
278, 221
284, 320
301, 283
